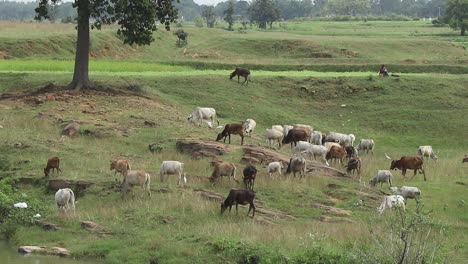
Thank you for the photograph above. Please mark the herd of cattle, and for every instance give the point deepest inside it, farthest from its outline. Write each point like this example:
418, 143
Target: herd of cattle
304, 141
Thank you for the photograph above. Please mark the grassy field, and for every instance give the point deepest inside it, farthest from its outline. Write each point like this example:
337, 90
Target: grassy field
181, 226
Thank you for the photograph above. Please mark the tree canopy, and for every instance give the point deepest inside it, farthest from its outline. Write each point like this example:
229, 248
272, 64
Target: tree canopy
457, 15
264, 12
137, 20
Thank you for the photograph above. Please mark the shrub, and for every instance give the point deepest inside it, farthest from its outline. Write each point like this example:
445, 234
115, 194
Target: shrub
198, 21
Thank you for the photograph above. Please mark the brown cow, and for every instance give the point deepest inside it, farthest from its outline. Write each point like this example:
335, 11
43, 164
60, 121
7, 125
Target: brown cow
223, 168
354, 164
412, 163
235, 129
336, 153
52, 163
239, 197
241, 72
295, 135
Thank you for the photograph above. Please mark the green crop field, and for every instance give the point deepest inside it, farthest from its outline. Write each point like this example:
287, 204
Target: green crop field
311, 72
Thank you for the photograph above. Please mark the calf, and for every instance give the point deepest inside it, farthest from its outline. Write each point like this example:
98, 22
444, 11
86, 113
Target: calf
237, 197
351, 152
236, 129
52, 163
223, 168
133, 178
354, 164
250, 172
412, 163
241, 72
273, 167
121, 166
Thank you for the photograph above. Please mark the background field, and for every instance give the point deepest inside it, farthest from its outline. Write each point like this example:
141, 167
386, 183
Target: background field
162, 83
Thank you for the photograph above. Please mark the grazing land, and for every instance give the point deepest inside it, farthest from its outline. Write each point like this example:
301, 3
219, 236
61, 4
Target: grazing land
319, 73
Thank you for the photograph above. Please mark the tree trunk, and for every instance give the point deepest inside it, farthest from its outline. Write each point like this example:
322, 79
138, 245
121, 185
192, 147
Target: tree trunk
462, 30
80, 74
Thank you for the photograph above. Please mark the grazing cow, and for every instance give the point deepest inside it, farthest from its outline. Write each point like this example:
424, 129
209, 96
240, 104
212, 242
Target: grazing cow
52, 163
274, 134
235, 129
351, 152
121, 166
336, 153
391, 201
308, 129
65, 199
412, 163
329, 145
426, 151
465, 159
343, 139
317, 150
354, 164
241, 72
301, 146
295, 135
407, 192
133, 178
366, 144
316, 138
275, 166
171, 167
201, 114
236, 197
250, 173
223, 168
249, 126
382, 176
296, 164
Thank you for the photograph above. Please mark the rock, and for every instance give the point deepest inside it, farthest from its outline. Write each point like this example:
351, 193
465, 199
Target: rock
56, 251
329, 171
94, 228
201, 148
71, 130
77, 186
263, 155
26, 180
335, 219
154, 147
47, 226
333, 210
150, 123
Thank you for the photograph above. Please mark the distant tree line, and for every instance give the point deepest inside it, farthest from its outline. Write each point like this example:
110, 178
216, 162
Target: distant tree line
265, 12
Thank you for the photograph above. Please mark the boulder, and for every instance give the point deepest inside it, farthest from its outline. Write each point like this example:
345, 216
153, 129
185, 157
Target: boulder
56, 251
201, 148
71, 130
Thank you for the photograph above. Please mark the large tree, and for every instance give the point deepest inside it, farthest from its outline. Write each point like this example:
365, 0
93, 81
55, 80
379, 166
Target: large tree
208, 15
264, 12
136, 18
457, 15
229, 14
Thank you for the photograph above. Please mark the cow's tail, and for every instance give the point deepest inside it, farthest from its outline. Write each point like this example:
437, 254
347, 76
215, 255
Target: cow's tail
72, 199
128, 166
148, 182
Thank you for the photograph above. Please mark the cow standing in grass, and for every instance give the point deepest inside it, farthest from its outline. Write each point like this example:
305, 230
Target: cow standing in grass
241, 72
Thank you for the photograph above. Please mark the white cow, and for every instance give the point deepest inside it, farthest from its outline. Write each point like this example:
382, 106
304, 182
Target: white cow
277, 127
171, 167
273, 134
249, 126
65, 199
201, 114
366, 144
329, 145
391, 201
426, 151
345, 140
317, 150
316, 138
407, 192
382, 176
301, 146
275, 166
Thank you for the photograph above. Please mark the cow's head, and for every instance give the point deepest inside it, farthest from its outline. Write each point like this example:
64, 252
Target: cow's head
223, 207
190, 118
395, 165
219, 137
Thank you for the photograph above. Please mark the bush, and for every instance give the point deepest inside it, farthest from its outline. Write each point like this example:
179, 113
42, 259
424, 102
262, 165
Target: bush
198, 21
11, 217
